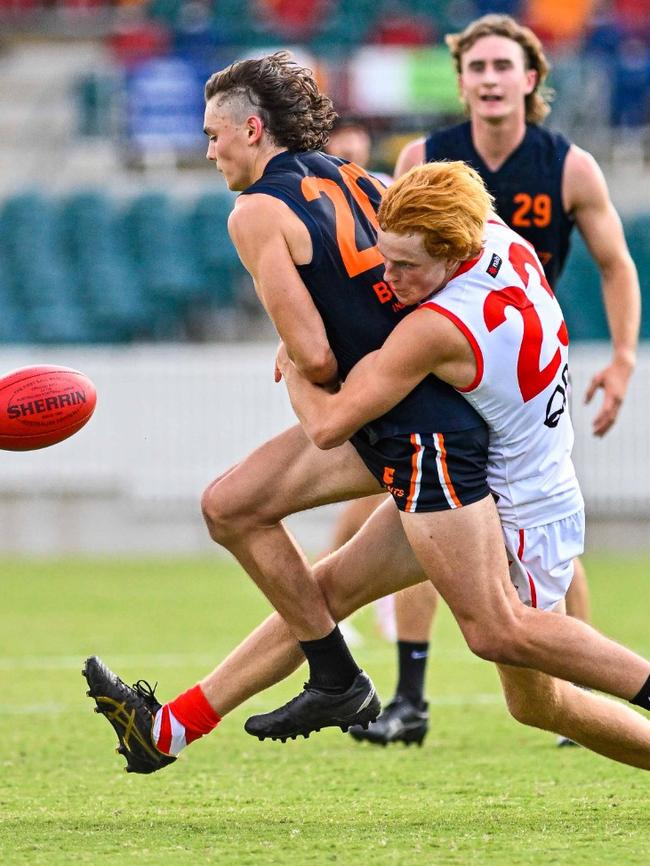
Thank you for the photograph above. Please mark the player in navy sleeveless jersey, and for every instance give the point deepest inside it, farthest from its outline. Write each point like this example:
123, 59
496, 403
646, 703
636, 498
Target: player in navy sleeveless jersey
305, 229
542, 185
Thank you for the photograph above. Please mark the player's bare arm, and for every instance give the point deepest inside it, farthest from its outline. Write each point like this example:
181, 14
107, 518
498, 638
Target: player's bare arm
587, 198
271, 241
410, 155
425, 342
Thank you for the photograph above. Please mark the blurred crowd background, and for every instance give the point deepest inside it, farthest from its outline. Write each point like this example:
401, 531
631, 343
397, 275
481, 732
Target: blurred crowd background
113, 225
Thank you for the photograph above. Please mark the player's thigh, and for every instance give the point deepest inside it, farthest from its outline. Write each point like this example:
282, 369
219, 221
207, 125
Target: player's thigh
463, 554
376, 561
289, 474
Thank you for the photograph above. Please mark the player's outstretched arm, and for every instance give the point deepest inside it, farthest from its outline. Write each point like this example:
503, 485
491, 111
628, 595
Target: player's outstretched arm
587, 198
270, 240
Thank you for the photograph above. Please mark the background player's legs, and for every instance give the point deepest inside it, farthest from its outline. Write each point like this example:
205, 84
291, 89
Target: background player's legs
459, 552
352, 518
577, 597
594, 721
348, 523
415, 609
405, 718
244, 507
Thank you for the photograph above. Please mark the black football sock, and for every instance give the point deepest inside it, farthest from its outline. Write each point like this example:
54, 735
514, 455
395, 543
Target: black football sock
331, 666
643, 698
412, 659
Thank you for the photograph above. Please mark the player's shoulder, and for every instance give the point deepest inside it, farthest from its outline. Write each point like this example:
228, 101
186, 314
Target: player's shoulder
447, 133
254, 211
584, 181
440, 142
492, 267
411, 154
582, 162
547, 146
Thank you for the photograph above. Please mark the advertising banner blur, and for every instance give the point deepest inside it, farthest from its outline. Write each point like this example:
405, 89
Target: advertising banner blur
394, 80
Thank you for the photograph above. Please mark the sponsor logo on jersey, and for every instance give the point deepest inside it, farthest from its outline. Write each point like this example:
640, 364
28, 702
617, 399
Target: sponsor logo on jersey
495, 265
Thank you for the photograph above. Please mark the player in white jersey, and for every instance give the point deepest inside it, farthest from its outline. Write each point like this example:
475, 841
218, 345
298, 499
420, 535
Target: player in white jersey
504, 306
512, 366
502, 303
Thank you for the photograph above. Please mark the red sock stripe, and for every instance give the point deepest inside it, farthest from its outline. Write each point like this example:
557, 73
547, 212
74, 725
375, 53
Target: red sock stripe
194, 712
164, 743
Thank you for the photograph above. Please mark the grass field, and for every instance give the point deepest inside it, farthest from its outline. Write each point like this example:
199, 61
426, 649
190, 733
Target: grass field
482, 790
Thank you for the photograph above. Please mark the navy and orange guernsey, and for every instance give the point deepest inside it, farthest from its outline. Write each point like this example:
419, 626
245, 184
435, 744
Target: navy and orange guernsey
527, 188
337, 201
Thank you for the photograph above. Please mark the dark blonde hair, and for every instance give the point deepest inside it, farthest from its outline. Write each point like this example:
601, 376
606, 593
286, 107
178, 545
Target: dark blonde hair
285, 96
445, 201
537, 102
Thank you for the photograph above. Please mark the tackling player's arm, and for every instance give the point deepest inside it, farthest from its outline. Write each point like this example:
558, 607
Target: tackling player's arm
411, 154
587, 199
269, 242
424, 342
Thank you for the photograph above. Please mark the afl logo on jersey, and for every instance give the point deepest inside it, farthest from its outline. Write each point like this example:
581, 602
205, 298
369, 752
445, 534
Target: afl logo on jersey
495, 265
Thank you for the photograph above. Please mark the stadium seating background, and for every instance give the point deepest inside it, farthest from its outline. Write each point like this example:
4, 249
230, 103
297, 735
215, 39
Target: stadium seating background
119, 235
114, 254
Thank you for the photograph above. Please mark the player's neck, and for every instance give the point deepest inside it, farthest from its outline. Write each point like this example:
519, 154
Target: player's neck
495, 141
263, 158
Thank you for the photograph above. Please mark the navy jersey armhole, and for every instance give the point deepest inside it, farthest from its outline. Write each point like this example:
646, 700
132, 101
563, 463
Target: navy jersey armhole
302, 214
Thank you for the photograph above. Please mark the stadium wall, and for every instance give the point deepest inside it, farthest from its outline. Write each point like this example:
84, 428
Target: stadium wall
171, 418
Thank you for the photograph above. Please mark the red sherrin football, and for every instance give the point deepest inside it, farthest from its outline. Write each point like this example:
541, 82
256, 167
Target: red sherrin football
42, 405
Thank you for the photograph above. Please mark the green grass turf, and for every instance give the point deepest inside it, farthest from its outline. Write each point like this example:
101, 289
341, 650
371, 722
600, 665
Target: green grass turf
482, 790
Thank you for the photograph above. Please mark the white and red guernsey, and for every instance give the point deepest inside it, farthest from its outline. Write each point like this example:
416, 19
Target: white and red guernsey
503, 304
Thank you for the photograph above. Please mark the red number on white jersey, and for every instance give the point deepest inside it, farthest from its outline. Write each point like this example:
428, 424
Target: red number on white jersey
532, 380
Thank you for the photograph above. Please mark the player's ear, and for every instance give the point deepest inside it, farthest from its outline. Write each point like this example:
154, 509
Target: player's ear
461, 91
254, 128
532, 77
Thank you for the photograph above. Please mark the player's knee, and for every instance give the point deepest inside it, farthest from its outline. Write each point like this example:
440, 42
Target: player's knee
535, 709
224, 511
338, 593
493, 644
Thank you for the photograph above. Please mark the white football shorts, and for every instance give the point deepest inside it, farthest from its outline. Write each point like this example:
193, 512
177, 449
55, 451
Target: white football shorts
541, 559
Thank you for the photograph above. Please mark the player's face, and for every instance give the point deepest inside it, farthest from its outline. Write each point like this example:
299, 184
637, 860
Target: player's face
228, 146
494, 80
411, 271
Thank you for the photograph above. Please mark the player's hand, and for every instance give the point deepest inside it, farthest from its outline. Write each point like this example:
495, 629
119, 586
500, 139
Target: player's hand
614, 380
281, 361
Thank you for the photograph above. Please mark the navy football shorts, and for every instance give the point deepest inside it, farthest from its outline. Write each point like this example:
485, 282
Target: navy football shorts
429, 472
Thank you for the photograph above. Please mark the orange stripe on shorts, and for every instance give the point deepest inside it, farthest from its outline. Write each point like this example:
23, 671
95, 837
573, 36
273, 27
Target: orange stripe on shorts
445, 472
415, 471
